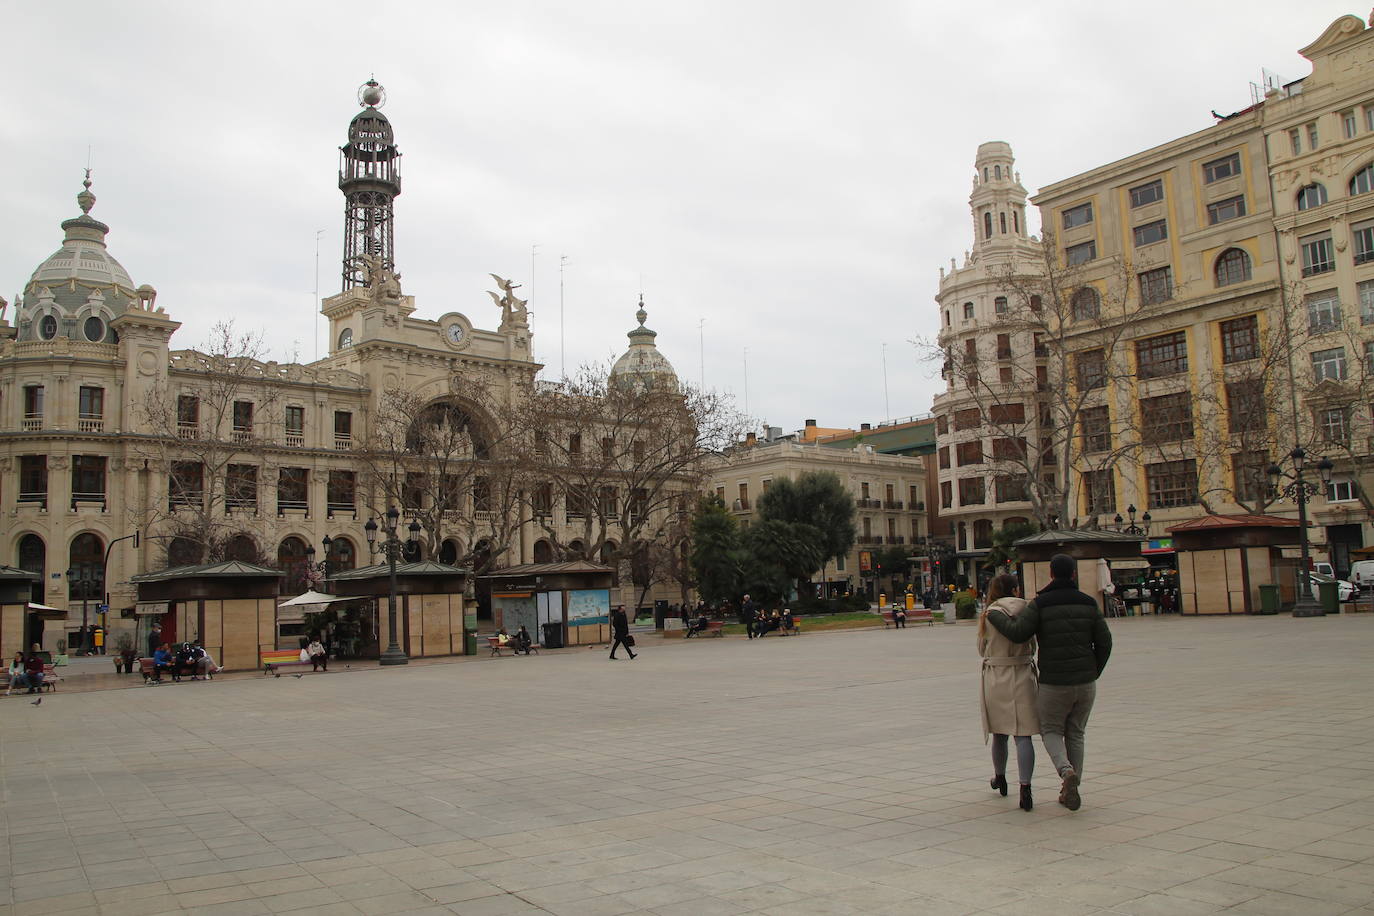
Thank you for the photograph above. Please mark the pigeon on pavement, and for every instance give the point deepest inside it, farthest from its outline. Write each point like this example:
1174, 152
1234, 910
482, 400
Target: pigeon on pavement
37, 701
298, 676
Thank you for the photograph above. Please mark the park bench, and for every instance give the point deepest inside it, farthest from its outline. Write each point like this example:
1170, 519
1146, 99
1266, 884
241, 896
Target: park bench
145, 668
915, 615
713, 628
794, 630
494, 644
50, 678
280, 658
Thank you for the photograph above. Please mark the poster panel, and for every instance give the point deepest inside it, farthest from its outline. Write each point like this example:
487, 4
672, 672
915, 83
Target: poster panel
589, 606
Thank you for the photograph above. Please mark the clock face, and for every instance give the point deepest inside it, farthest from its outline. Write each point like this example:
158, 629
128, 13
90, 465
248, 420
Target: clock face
455, 333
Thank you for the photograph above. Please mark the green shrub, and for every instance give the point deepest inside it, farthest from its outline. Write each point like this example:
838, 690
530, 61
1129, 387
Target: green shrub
965, 607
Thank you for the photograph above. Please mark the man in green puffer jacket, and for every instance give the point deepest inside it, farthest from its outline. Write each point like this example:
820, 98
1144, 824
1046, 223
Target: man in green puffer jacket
1074, 647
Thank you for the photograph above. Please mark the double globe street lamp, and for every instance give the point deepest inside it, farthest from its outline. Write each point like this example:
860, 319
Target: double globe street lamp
1133, 528
1300, 491
393, 546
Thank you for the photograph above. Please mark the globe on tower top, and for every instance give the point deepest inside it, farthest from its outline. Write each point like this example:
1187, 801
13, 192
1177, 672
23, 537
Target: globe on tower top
372, 94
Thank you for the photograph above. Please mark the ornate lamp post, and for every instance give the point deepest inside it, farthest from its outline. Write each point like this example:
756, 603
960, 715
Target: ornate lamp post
1300, 491
1133, 528
393, 546
320, 569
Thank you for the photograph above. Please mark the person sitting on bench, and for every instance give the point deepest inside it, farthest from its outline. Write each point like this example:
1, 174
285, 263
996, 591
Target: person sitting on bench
163, 661
898, 616
699, 626
789, 622
522, 640
768, 624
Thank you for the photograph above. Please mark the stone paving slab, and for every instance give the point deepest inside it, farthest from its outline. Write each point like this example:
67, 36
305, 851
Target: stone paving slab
1230, 770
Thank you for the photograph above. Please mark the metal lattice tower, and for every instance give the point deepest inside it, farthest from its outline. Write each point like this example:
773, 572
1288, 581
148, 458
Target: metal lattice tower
370, 178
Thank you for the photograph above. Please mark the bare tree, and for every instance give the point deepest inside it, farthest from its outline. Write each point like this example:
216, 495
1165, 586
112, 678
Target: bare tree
442, 463
209, 423
1041, 392
624, 456
1333, 400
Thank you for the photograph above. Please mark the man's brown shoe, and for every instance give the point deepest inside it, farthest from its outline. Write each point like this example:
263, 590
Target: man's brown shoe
1068, 793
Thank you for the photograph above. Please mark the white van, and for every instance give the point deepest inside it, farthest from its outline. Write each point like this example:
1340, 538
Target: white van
1321, 566
1362, 574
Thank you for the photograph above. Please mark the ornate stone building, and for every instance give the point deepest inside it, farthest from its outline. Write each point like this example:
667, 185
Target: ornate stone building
1218, 310
107, 430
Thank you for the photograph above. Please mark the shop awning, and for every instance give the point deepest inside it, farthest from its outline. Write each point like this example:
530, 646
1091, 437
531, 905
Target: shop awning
47, 613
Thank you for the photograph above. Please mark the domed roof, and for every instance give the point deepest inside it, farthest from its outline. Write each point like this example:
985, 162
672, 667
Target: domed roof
79, 278
644, 360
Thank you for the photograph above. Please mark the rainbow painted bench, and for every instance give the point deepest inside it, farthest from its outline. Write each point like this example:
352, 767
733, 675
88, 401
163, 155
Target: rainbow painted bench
280, 658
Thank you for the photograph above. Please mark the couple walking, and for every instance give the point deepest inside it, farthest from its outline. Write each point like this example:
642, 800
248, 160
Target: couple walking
1074, 644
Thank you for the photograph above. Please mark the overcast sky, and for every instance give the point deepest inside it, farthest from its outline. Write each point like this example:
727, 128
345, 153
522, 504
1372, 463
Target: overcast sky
791, 173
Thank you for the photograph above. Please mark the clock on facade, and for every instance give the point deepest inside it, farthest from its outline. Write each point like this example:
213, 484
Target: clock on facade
454, 332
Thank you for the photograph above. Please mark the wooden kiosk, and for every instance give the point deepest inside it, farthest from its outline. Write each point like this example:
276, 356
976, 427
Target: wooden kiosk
1095, 551
429, 604
573, 598
1224, 559
16, 627
231, 607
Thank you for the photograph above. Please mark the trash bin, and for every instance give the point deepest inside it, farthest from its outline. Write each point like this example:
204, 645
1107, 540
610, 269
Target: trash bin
469, 642
1269, 599
1330, 597
553, 634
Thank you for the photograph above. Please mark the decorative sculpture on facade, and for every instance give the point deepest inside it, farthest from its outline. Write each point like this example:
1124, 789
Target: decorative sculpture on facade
384, 282
513, 313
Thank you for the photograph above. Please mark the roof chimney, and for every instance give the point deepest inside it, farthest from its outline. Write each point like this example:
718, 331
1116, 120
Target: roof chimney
865, 426
750, 440
810, 423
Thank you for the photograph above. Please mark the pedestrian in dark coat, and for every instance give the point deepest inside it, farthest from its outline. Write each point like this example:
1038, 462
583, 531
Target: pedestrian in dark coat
620, 630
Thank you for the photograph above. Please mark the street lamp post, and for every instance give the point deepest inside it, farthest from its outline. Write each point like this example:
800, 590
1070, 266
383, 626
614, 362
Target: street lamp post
393, 655
1133, 528
322, 567
1300, 491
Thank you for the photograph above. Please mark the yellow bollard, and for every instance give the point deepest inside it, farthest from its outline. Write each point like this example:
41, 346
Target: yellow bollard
910, 601
882, 600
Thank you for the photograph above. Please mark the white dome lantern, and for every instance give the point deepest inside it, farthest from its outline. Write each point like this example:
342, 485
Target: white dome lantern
643, 362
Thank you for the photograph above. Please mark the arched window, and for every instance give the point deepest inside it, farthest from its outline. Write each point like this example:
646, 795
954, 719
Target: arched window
243, 548
94, 329
185, 552
1035, 305
1014, 520
33, 555
575, 549
1363, 182
1311, 195
342, 554
997, 171
1086, 303
985, 173
1233, 266
84, 575
543, 552
609, 552
449, 552
987, 225
1002, 217
1016, 221
345, 338
291, 561
963, 536
47, 327
999, 305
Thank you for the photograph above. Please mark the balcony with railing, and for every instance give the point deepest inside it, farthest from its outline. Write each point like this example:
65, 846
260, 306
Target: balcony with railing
343, 442
868, 539
742, 504
192, 500
292, 502
341, 506
187, 430
91, 498
31, 497
31, 422
295, 439
90, 423
895, 504
245, 504
864, 502
243, 434
896, 539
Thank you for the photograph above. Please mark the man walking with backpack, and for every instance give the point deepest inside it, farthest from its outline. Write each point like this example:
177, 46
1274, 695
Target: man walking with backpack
1074, 647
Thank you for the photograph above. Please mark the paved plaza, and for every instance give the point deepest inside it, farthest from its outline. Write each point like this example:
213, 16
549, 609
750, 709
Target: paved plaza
1230, 769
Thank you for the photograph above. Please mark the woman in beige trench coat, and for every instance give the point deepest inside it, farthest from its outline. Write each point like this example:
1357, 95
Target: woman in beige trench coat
1008, 690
